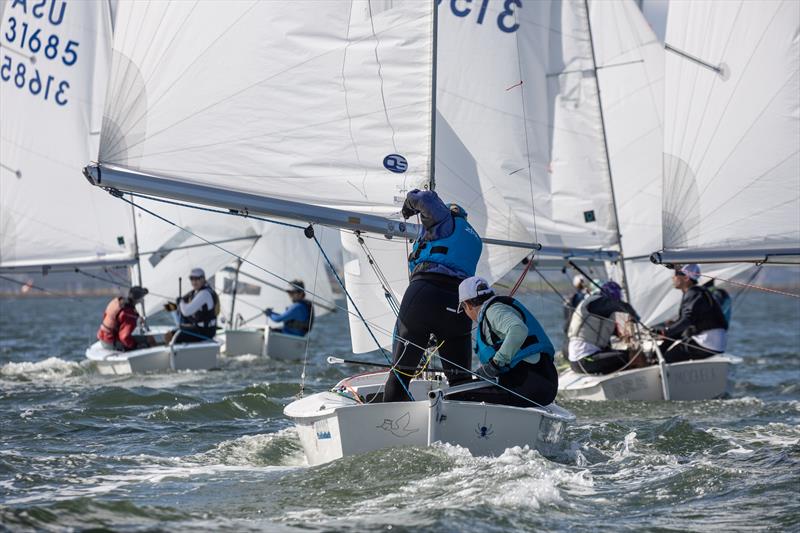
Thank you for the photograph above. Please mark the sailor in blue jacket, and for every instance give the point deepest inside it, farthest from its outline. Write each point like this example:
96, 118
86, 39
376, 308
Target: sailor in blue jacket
298, 318
446, 252
512, 346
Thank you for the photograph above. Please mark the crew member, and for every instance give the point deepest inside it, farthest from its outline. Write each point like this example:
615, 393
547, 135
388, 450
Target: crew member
198, 309
581, 292
701, 327
446, 252
590, 333
298, 318
512, 347
120, 320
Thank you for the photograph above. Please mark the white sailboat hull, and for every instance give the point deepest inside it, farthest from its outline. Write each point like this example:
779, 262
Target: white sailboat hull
285, 347
702, 379
243, 341
332, 426
161, 358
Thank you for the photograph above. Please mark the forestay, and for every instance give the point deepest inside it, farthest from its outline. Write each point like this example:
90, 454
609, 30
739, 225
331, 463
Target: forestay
55, 63
732, 129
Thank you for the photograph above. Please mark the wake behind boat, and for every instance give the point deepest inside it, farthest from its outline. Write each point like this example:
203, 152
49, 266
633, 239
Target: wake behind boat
350, 419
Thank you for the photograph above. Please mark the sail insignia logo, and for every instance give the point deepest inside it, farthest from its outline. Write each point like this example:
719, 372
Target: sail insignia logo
395, 163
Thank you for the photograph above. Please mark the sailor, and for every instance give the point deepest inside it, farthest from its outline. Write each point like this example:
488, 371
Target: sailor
512, 347
198, 310
590, 332
446, 252
581, 292
298, 318
120, 320
701, 328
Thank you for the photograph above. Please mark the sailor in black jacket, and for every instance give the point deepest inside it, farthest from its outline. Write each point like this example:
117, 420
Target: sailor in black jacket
700, 324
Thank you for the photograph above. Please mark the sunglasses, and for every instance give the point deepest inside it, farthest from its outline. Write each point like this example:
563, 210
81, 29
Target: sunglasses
193, 278
680, 274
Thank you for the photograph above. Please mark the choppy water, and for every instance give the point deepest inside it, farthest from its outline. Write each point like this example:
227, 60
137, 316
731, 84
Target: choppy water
212, 450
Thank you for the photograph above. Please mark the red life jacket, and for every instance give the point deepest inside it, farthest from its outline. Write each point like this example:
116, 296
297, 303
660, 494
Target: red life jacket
118, 323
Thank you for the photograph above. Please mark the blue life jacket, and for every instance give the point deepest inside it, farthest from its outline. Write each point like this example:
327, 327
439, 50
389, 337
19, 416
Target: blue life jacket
460, 251
301, 326
537, 342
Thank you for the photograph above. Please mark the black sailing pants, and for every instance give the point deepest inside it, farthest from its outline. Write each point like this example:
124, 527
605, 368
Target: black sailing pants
424, 310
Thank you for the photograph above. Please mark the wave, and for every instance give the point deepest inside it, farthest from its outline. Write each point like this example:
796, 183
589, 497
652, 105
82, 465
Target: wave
52, 369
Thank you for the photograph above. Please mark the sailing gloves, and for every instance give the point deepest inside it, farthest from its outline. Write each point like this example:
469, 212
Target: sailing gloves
488, 371
408, 211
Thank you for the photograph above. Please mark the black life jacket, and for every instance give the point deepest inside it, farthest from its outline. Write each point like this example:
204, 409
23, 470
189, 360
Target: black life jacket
205, 317
303, 326
707, 313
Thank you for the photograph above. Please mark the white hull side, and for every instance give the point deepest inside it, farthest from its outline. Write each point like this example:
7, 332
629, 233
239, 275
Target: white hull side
193, 356
245, 341
331, 426
285, 347
702, 379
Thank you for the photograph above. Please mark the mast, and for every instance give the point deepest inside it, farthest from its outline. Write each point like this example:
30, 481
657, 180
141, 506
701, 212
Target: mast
432, 180
136, 254
605, 148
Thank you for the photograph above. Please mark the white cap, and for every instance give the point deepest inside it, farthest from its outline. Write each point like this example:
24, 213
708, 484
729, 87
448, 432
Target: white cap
692, 271
197, 273
472, 288
577, 280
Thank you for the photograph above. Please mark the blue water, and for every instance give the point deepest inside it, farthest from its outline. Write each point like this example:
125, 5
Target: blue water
212, 450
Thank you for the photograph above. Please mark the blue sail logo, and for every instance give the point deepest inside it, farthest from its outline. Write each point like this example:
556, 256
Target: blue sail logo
395, 163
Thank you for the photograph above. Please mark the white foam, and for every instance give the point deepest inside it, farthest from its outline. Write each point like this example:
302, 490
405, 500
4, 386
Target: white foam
50, 369
248, 450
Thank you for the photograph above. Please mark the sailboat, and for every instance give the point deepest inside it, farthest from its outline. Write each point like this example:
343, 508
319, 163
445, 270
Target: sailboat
327, 115
51, 223
245, 293
575, 120
168, 253
703, 201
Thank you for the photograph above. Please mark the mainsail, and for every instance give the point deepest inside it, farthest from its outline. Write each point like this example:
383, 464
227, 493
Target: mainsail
55, 63
319, 103
732, 132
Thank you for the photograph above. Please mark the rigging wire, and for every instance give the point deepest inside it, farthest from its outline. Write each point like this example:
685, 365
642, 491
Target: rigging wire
394, 305
308, 337
748, 285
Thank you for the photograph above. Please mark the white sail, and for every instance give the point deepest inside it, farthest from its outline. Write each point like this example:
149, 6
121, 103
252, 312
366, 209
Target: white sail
168, 253
732, 129
516, 85
327, 103
320, 102
55, 63
630, 74
279, 251
630, 71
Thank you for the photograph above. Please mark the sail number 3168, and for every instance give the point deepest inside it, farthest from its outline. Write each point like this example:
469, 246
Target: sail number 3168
24, 77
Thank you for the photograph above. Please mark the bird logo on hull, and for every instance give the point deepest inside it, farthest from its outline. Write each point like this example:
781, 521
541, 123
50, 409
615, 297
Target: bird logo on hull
398, 427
